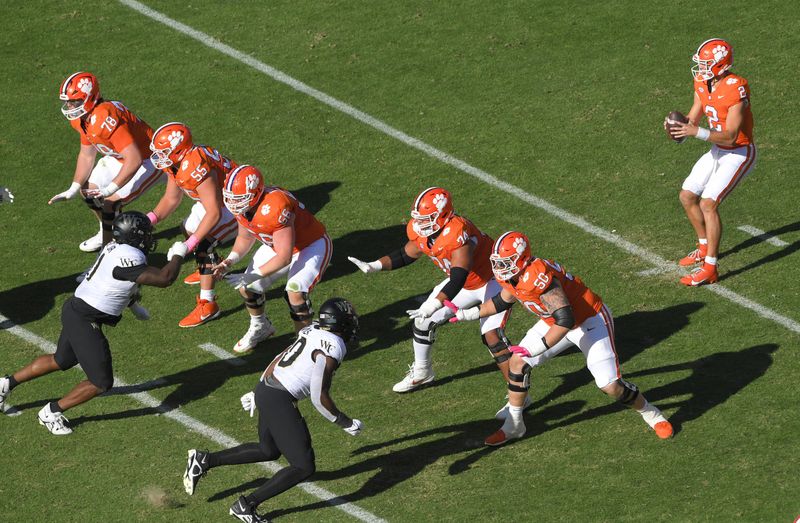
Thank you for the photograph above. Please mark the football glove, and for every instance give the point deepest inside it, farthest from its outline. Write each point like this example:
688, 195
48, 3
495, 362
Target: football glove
471, 314
355, 428
105, 192
66, 195
426, 310
237, 281
366, 267
177, 249
5, 195
249, 402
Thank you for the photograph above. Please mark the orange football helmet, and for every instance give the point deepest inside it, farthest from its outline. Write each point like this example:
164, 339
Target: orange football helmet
170, 144
713, 57
80, 93
243, 189
433, 208
510, 254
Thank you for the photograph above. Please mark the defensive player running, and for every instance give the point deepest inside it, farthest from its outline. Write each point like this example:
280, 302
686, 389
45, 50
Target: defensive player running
199, 171
304, 369
120, 269
294, 244
461, 250
724, 97
124, 172
567, 310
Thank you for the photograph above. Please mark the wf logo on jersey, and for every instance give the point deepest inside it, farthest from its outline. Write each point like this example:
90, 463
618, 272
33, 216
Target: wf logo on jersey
85, 86
519, 245
440, 200
720, 52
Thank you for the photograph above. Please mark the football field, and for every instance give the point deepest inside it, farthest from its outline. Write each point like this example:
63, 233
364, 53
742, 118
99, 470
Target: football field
545, 117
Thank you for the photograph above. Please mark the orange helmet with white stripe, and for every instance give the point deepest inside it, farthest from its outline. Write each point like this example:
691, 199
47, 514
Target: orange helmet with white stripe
80, 93
170, 144
433, 208
510, 254
713, 58
243, 189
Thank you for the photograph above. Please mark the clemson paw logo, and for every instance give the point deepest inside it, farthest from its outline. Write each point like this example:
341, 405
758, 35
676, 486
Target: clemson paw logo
85, 85
719, 52
175, 137
92, 119
732, 81
446, 231
251, 183
184, 164
525, 277
519, 245
440, 200
265, 209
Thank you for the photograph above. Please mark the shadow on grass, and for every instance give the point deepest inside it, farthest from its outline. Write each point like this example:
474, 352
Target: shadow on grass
775, 256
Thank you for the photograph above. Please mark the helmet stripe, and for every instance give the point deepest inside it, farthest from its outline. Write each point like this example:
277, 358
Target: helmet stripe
166, 124
67, 81
499, 241
233, 176
704, 43
419, 198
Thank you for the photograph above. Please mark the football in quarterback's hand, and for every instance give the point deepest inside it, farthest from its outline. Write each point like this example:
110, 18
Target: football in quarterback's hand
674, 118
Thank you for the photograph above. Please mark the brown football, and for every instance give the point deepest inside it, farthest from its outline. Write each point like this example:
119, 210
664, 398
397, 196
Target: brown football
673, 118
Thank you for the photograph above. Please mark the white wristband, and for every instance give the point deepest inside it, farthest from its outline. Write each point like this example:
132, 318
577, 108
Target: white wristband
110, 189
703, 134
233, 258
375, 265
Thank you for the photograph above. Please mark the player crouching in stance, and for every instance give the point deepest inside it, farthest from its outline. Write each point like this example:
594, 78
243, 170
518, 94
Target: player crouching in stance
120, 269
461, 250
199, 171
294, 244
567, 310
304, 369
724, 98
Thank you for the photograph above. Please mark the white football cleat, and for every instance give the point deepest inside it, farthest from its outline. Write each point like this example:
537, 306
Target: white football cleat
139, 311
414, 378
254, 336
196, 468
4, 392
503, 413
55, 422
92, 244
510, 430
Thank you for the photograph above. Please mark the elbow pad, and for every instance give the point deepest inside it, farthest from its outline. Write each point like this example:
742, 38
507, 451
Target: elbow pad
400, 258
458, 277
564, 317
500, 304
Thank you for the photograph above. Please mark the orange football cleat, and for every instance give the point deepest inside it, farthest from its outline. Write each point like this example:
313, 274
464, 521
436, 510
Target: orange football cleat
696, 256
193, 278
703, 275
664, 429
501, 438
204, 311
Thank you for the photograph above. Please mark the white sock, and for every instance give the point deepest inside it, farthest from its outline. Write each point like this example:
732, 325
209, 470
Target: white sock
702, 241
513, 424
651, 414
422, 355
258, 320
711, 260
208, 294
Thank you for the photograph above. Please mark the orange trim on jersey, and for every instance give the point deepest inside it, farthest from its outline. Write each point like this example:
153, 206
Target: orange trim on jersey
609, 322
740, 172
223, 230
146, 184
325, 261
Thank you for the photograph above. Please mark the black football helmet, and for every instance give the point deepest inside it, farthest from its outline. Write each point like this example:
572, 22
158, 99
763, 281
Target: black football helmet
337, 315
134, 228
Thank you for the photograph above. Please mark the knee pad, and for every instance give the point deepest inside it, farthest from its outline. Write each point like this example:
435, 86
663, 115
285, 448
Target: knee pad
93, 204
253, 300
205, 256
302, 312
499, 350
523, 377
424, 331
629, 392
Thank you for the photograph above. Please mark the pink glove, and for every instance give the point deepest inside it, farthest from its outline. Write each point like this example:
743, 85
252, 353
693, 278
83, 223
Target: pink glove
452, 306
520, 350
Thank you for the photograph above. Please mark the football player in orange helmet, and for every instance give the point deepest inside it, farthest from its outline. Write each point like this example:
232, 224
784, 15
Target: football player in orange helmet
295, 245
570, 313
124, 172
724, 98
457, 247
198, 171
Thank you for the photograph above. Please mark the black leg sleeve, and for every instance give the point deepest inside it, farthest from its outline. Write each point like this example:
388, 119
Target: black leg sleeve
245, 453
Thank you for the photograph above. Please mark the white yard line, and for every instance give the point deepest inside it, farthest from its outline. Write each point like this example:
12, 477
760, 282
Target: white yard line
654, 271
197, 426
461, 165
222, 354
763, 236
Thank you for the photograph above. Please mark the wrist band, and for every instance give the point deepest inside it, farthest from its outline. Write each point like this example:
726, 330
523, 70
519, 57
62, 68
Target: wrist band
111, 188
74, 187
233, 258
152, 217
192, 242
703, 134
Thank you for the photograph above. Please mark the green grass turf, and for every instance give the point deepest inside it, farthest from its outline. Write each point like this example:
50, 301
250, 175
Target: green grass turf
564, 101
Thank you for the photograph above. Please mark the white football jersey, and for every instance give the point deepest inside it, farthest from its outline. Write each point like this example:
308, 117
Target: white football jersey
295, 366
101, 289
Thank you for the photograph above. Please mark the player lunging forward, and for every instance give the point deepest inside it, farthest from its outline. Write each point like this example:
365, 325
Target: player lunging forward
304, 369
724, 98
124, 172
294, 244
108, 287
199, 171
461, 250
567, 310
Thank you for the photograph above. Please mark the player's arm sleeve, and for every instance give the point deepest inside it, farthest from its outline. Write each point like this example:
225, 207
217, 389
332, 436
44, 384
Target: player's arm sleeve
458, 277
128, 273
321, 376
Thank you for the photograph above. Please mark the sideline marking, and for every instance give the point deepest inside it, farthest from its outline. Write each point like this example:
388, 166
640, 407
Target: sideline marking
222, 354
535, 201
763, 236
198, 426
